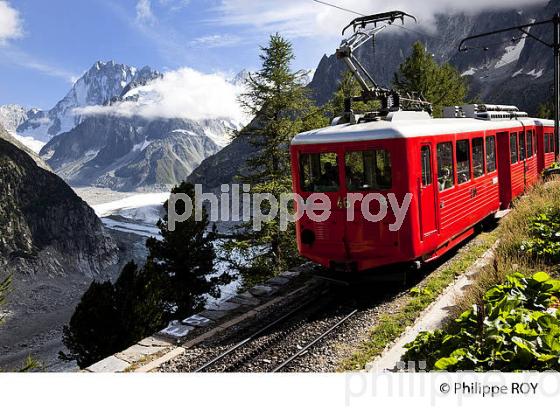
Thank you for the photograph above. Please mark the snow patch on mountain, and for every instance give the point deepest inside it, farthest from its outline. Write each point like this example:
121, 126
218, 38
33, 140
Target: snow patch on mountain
29, 142
103, 82
12, 115
184, 93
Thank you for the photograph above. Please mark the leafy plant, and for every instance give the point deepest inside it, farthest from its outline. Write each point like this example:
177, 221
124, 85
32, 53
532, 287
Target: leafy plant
544, 242
516, 327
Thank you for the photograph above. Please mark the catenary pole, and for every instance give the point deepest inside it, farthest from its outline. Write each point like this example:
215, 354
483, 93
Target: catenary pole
556, 45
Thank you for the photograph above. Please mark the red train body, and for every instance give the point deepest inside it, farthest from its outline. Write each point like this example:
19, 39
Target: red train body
458, 171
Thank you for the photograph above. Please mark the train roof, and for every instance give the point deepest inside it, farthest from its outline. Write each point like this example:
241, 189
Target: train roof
404, 124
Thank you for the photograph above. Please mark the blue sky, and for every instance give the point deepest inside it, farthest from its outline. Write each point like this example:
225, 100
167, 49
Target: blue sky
46, 44
60, 39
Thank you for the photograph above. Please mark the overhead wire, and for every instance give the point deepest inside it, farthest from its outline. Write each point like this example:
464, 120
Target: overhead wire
363, 15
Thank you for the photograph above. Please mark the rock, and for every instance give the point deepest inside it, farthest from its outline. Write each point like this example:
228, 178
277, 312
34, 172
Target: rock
176, 330
262, 290
227, 306
244, 300
214, 314
197, 321
137, 352
278, 281
110, 364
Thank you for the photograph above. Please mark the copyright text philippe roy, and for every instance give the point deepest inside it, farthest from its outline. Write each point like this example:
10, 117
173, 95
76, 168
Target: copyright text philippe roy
489, 390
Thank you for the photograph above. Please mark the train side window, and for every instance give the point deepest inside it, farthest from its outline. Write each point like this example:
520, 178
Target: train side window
478, 157
445, 165
319, 172
368, 170
546, 143
551, 142
463, 162
529, 144
426, 159
535, 145
513, 147
522, 147
490, 154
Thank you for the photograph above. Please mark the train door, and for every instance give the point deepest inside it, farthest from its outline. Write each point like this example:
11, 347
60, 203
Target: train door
518, 156
427, 193
540, 148
504, 173
367, 175
531, 172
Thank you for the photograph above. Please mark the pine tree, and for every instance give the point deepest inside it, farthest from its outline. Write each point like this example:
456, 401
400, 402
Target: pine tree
172, 284
94, 331
442, 85
348, 86
185, 257
277, 98
546, 110
140, 302
110, 318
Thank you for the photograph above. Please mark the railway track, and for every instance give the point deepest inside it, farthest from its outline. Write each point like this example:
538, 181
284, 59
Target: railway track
277, 345
313, 335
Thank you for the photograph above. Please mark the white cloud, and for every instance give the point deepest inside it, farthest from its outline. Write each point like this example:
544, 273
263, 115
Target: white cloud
299, 18
18, 57
10, 23
144, 13
216, 40
183, 93
174, 5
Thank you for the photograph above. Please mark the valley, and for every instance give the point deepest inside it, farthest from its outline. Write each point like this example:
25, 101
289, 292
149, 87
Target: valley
110, 140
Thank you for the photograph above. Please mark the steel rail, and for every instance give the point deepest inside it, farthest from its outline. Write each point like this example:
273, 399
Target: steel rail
253, 336
314, 341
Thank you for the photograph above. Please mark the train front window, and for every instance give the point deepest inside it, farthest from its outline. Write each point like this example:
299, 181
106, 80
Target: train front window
513, 147
445, 165
368, 170
319, 172
490, 154
478, 157
463, 162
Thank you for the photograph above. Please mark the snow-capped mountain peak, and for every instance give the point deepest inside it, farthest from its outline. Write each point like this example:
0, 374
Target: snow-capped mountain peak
104, 81
12, 115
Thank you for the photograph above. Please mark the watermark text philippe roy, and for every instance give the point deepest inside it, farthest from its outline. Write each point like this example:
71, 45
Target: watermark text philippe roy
236, 203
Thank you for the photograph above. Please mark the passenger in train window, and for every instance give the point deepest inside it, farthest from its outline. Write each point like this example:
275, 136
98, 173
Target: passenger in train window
478, 157
329, 177
445, 165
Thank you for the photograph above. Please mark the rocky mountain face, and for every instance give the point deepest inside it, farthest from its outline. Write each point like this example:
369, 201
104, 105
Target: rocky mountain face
508, 72
8, 137
53, 245
511, 72
132, 153
45, 228
103, 82
13, 115
124, 152
224, 166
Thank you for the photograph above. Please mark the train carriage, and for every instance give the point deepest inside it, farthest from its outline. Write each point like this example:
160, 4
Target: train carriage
455, 171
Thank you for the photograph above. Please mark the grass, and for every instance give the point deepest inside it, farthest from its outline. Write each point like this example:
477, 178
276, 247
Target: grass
390, 326
513, 230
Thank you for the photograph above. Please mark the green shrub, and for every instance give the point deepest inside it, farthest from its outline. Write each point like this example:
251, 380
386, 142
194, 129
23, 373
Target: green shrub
516, 327
544, 239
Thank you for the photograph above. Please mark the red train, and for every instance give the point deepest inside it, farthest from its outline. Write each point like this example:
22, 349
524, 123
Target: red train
458, 170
